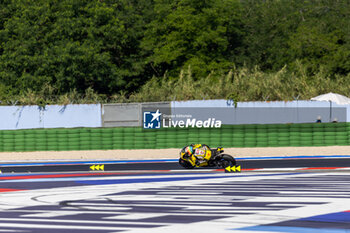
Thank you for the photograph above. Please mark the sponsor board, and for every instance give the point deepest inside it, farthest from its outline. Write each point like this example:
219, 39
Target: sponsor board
156, 120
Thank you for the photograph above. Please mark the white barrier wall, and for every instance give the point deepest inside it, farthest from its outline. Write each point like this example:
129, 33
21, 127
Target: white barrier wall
52, 116
90, 115
273, 112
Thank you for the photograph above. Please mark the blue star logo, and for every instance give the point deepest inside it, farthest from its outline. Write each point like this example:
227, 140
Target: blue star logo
151, 120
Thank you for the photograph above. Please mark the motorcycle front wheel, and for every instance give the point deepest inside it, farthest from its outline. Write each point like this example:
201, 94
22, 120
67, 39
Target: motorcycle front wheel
185, 164
227, 160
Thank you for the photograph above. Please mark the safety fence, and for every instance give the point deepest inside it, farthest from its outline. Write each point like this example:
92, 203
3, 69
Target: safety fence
278, 135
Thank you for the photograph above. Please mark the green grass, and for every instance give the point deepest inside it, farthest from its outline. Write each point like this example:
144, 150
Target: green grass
240, 84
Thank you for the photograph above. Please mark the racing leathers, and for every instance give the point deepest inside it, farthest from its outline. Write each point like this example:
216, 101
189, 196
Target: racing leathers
196, 154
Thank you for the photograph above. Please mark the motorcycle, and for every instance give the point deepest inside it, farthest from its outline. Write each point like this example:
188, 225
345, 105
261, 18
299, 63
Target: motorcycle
212, 158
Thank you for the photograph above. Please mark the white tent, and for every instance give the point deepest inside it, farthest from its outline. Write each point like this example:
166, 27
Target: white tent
333, 97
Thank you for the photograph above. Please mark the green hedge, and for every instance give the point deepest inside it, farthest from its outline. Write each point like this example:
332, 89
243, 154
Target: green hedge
313, 134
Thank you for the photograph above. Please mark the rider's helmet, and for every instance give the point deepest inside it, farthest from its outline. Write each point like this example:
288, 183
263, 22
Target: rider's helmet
187, 151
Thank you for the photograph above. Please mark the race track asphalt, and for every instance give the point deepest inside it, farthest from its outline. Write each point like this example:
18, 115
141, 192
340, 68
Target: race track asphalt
172, 165
159, 196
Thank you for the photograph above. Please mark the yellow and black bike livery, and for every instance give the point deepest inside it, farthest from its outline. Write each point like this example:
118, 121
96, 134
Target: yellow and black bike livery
201, 155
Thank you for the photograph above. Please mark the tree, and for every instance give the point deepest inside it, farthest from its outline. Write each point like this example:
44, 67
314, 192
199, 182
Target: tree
322, 39
313, 32
267, 26
71, 44
203, 34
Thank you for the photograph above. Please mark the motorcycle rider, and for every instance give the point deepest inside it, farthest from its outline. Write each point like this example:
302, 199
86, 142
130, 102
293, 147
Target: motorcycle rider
195, 154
